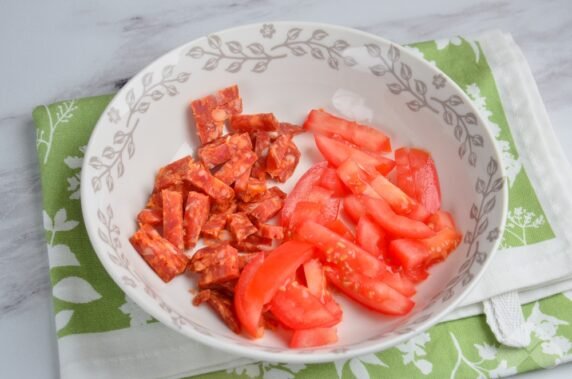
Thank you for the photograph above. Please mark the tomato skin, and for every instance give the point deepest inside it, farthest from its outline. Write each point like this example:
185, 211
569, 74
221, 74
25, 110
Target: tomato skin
337, 152
305, 210
440, 220
354, 177
371, 236
441, 244
353, 207
410, 254
395, 197
297, 308
279, 265
367, 138
244, 280
370, 292
399, 282
313, 337
417, 176
399, 226
315, 278
301, 190
336, 250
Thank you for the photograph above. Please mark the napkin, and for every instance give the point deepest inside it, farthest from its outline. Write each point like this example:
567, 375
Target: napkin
102, 333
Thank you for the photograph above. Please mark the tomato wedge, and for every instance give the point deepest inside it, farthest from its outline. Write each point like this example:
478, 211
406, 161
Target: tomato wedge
244, 280
305, 210
412, 256
339, 251
370, 292
399, 226
395, 197
313, 337
353, 207
368, 138
371, 236
278, 266
315, 278
331, 181
354, 177
399, 282
297, 308
440, 220
337, 152
301, 190
417, 176
341, 229
441, 244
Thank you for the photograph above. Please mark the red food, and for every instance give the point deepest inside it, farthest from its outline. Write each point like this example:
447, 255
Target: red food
331, 181
417, 176
254, 189
411, 255
153, 217
313, 337
315, 278
440, 220
371, 236
261, 145
290, 129
201, 178
222, 305
173, 217
265, 209
196, 215
296, 307
370, 292
399, 282
441, 244
241, 307
339, 227
236, 166
278, 266
240, 226
161, 255
283, 157
222, 149
399, 226
301, 190
172, 174
354, 208
365, 137
274, 232
214, 225
337, 152
354, 177
254, 122
210, 112
241, 183
305, 211
216, 264
336, 250
253, 244
395, 197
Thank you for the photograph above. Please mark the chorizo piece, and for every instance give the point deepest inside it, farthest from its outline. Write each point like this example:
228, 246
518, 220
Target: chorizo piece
201, 178
173, 217
161, 255
241, 162
274, 232
172, 174
254, 189
222, 305
253, 244
222, 149
240, 226
150, 216
254, 122
214, 225
215, 264
196, 214
283, 157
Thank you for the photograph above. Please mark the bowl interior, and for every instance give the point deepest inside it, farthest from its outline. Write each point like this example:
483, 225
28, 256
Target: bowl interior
347, 72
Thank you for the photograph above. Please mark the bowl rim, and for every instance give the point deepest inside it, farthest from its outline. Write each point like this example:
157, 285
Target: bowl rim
255, 353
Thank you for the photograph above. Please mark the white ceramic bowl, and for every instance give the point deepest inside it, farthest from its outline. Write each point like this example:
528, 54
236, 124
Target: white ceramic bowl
288, 68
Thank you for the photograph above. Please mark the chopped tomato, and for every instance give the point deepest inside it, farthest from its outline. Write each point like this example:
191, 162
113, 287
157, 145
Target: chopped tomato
315, 278
330, 205
354, 177
410, 254
337, 152
441, 244
353, 207
337, 250
305, 210
341, 229
279, 265
297, 308
368, 138
313, 337
399, 226
301, 190
371, 236
399, 282
395, 197
440, 220
417, 176
370, 292
331, 181
244, 281
419, 213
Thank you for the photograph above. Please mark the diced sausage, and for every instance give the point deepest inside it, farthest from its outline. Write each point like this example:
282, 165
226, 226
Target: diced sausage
173, 217
253, 244
201, 178
149, 216
254, 122
222, 305
274, 232
290, 129
254, 189
283, 157
214, 225
240, 226
161, 255
236, 166
172, 174
221, 150
197, 210
216, 264
241, 183
227, 208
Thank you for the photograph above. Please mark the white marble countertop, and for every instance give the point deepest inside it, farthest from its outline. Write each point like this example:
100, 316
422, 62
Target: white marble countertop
60, 49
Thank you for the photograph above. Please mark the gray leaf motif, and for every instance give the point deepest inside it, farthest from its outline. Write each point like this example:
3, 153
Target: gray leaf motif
256, 48
373, 50
333, 63
394, 88
214, 41
234, 47
234, 66
260, 66
492, 167
405, 72
319, 34
393, 54
167, 71
317, 53
211, 64
196, 52
414, 105
420, 87
378, 70
340, 45
477, 140
349, 61
298, 51
293, 34
147, 79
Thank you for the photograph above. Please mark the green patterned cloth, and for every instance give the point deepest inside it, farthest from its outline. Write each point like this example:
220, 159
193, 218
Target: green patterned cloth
87, 302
